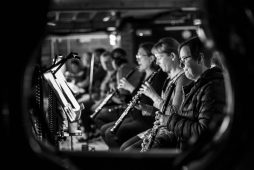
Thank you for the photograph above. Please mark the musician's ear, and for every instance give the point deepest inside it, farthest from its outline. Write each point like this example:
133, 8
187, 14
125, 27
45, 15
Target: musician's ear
152, 58
201, 59
173, 56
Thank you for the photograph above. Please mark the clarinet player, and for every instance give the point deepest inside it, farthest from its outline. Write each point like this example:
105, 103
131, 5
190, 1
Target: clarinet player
136, 121
124, 70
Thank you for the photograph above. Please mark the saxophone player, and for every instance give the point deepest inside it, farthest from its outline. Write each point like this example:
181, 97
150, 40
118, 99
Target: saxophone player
165, 51
136, 121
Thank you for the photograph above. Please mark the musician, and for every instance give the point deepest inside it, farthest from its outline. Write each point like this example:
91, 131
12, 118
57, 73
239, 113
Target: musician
203, 107
170, 98
112, 110
85, 61
99, 73
137, 120
74, 76
89, 98
123, 67
106, 63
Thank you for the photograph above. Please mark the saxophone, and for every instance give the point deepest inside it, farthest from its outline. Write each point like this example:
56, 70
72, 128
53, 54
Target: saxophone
131, 104
149, 138
108, 97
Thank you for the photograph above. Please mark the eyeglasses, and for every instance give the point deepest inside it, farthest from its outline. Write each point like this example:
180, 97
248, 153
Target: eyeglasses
182, 61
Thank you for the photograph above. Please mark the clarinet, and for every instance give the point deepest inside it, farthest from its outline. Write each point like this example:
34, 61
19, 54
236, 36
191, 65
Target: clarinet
108, 97
131, 104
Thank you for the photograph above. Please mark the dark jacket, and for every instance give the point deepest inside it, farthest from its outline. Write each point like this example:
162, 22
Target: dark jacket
203, 106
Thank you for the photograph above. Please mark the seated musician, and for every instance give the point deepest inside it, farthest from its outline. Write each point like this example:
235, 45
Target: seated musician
136, 121
202, 110
75, 75
85, 61
111, 111
98, 76
89, 98
167, 58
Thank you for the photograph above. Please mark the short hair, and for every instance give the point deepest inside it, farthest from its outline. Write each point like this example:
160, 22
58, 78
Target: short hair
119, 56
167, 45
98, 51
75, 62
119, 53
106, 54
196, 48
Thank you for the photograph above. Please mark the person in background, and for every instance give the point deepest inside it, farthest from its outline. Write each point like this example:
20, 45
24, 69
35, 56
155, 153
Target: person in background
74, 76
106, 63
99, 73
94, 92
108, 85
116, 105
85, 61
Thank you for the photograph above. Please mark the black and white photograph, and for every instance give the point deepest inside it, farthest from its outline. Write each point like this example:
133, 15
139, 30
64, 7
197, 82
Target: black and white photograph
127, 84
